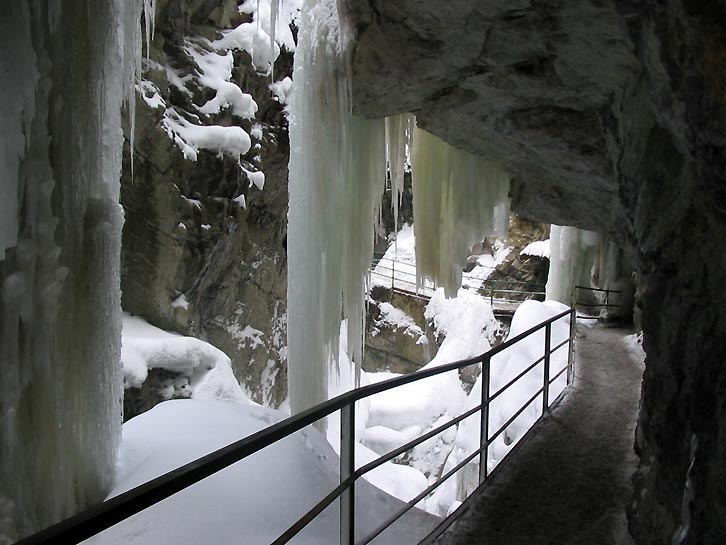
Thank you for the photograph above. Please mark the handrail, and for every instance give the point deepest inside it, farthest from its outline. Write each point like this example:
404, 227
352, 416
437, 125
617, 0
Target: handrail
488, 286
100, 517
606, 305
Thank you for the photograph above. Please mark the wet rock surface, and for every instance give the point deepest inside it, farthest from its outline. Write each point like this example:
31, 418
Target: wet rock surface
610, 117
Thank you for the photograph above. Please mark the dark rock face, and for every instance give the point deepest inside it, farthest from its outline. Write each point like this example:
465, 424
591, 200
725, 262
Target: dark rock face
186, 232
393, 347
610, 117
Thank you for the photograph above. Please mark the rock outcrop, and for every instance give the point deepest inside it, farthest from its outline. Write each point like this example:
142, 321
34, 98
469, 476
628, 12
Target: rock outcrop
609, 117
204, 240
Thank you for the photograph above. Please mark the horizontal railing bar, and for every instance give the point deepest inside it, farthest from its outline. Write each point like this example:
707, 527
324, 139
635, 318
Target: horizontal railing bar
491, 439
563, 343
596, 289
412, 503
551, 380
102, 516
596, 305
467, 503
515, 379
403, 448
308, 517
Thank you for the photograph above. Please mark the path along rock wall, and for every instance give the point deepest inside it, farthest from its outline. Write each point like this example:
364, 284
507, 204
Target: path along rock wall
610, 117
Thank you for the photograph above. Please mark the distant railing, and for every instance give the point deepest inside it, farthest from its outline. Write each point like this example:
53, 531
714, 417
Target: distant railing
606, 295
103, 516
400, 273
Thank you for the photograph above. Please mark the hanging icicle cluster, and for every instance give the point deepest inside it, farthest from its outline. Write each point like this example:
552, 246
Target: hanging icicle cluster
337, 176
458, 198
399, 140
573, 253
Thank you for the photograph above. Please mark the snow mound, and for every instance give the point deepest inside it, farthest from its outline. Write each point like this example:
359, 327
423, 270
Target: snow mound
209, 370
251, 502
505, 366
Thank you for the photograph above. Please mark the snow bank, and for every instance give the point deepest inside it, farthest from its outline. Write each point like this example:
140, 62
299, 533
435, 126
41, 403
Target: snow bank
251, 502
634, 345
504, 367
207, 370
400, 481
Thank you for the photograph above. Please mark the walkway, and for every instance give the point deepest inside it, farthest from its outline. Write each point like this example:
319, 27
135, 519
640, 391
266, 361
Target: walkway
570, 483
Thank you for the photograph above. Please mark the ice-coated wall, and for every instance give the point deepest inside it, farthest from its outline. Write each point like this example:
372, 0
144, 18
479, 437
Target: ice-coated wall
458, 199
573, 253
66, 68
337, 177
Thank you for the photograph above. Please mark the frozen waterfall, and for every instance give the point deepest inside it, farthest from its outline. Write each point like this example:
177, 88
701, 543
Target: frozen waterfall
67, 67
337, 177
573, 253
458, 198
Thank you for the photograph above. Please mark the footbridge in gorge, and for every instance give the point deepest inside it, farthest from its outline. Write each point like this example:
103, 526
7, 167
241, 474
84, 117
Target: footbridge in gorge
566, 481
503, 295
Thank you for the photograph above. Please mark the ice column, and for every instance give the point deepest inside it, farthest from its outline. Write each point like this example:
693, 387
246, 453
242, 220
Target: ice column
337, 176
572, 256
458, 198
399, 139
67, 67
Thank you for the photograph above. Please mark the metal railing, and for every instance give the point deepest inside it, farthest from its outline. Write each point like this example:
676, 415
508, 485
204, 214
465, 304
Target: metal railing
96, 519
605, 294
396, 272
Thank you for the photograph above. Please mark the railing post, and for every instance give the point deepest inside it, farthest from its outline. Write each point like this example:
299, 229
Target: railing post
546, 390
347, 467
491, 294
484, 418
393, 274
571, 347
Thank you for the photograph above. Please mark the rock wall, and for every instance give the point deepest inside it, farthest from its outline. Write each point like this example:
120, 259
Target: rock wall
204, 243
610, 116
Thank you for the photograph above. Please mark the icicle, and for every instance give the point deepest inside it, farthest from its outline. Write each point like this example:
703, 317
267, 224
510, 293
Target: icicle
572, 255
274, 11
337, 176
458, 198
60, 417
399, 135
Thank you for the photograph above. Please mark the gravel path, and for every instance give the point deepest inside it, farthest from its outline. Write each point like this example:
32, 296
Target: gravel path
569, 484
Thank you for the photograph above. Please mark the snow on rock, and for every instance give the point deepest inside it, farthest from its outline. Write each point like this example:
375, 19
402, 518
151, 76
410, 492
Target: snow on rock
208, 369
504, 367
231, 141
281, 89
466, 321
398, 319
215, 71
181, 301
538, 248
253, 501
485, 266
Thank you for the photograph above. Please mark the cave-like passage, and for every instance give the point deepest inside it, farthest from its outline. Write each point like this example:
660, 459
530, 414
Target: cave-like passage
570, 482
